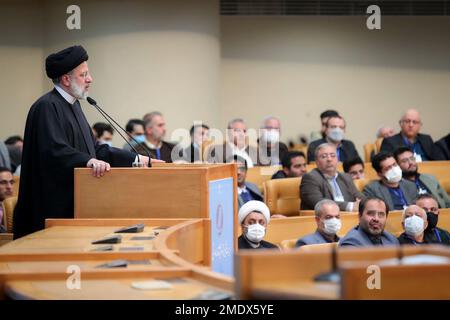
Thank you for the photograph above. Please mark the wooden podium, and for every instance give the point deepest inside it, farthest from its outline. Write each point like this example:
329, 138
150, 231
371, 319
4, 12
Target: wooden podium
168, 191
163, 191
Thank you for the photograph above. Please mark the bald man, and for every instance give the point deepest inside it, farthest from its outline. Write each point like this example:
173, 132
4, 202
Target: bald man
409, 136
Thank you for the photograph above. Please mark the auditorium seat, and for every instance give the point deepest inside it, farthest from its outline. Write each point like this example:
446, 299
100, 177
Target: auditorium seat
368, 149
8, 211
282, 196
361, 183
318, 246
260, 174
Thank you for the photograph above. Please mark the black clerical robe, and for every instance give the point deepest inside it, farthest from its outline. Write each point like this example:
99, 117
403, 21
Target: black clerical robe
57, 139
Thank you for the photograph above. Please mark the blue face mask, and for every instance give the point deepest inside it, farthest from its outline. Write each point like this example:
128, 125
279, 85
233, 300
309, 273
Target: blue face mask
140, 138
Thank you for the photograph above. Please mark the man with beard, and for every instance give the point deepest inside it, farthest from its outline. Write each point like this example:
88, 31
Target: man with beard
373, 213
155, 130
425, 183
58, 139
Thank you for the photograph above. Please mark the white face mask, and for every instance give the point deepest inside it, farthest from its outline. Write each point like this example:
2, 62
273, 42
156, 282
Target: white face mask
394, 175
414, 226
271, 136
332, 226
255, 232
109, 143
336, 134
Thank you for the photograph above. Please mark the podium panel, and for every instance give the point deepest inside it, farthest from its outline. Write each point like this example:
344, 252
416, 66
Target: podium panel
163, 191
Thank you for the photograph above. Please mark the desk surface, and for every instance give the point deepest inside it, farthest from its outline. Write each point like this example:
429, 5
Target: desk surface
297, 290
36, 266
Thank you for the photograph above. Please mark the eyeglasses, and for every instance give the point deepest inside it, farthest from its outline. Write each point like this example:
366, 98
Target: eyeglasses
410, 159
414, 122
324, 156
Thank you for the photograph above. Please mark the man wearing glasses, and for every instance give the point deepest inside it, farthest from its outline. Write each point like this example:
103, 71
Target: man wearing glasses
425, 183
325, 182
433, 234
409, 136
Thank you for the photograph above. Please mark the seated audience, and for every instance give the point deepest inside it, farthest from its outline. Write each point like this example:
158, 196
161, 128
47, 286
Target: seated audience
294, 166
325, 182
409, 136
443, 147
433, 234
103, 133
425, 183
254, 217
385, 132
316, 135
6, 188
397, 192
335, 131
236, 144
271, 150
247, 191
373, 213
355, 168
15, 147
155, 130
328, 221
135, 128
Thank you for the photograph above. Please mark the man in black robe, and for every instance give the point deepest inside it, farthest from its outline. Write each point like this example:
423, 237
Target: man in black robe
58, 139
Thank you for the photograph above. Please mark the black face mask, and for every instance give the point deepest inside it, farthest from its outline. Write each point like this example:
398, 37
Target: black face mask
432, 220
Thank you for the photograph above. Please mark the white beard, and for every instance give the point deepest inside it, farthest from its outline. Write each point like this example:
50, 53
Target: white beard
78, 91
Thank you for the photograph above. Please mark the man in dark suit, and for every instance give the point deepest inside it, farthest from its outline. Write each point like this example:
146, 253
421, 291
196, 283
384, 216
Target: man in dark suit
397, 192
409, 136
155, 130
294, 166
328, 221
193, 153
247, 191
335, 131
443, 147
373, 213
271, 150
325, 182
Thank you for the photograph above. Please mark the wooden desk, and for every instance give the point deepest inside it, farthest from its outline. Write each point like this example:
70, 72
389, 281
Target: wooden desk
35, 267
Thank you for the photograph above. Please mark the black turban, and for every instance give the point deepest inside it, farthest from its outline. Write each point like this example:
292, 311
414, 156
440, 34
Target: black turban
64, 61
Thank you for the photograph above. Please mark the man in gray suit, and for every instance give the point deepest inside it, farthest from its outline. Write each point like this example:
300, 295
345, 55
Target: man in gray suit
328, 221
373, 213
4, 156
425, 183
397, 192
325, 182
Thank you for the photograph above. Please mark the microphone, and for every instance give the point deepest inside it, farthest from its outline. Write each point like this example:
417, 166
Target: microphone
106, 116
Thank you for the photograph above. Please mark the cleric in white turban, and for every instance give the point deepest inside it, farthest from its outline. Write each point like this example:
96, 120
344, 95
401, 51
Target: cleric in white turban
254, 216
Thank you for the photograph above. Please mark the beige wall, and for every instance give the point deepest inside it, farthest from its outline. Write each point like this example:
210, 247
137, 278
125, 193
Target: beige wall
21, 56
191, 64
295, 67
144, 56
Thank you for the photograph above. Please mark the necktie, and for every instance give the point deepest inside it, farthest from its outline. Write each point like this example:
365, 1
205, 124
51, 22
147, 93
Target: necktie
84, 127
245, 195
